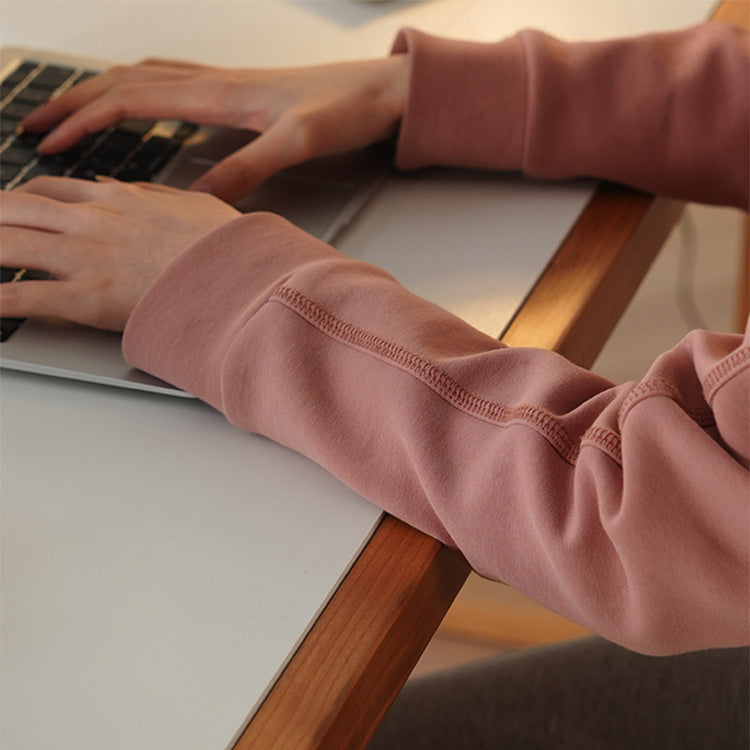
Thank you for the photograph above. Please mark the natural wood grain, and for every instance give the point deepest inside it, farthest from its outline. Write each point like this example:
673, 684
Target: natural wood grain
590, 281
355, 659
733, 11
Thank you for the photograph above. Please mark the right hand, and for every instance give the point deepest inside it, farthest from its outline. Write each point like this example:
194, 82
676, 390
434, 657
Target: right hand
301, 113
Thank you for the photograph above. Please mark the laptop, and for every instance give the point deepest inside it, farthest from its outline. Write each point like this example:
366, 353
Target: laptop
321, 197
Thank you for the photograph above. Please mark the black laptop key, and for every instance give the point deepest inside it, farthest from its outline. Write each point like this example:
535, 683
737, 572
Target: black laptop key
98, 159
159, 148
148, 160
33, 95
44, 168
112, 151
57, 164
67, 161
24, 138
15, 110
7, 173
8, 326
52, 76
122, 140
86, 172
17, 156
7, 127
7, 274
133, 173
19, 74
102, 163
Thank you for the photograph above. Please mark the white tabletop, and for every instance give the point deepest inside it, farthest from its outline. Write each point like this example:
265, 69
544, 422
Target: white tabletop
158, 565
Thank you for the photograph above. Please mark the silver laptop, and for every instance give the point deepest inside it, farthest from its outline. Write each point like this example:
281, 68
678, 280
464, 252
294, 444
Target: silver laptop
320, 197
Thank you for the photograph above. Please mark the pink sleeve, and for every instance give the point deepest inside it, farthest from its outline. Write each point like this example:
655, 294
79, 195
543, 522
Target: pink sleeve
623, 507
666, 113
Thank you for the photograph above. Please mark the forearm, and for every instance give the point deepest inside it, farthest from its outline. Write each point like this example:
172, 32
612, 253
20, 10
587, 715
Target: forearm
667, 113
617, 506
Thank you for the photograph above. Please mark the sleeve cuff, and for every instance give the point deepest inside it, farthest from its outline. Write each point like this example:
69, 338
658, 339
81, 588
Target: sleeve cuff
466, 105
183, 324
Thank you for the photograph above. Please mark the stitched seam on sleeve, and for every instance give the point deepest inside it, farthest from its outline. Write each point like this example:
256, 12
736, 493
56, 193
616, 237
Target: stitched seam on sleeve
605, 440
728, 366
444, 385
702, 415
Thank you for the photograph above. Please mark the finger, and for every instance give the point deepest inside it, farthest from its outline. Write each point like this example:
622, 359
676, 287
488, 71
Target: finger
57, 109
247, 168
87, 118
148, 99
169, 63
27, 299
35, 249
104, 190
62, 189
153, 187
35, 212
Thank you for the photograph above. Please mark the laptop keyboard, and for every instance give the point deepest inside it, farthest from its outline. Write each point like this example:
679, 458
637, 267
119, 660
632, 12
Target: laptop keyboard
133, 150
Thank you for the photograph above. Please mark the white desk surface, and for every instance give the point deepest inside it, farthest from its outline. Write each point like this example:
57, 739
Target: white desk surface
158, 565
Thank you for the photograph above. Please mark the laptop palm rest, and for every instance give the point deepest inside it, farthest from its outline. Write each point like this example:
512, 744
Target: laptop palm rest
61, 349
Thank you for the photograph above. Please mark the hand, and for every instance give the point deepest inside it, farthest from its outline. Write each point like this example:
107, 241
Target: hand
104, 242
301, 113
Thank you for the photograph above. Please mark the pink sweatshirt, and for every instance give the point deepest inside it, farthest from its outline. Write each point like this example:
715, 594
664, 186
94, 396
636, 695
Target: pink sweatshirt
624, 507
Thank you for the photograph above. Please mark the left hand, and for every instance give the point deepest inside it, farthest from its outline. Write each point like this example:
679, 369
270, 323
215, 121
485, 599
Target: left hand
301, 113
104, 242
